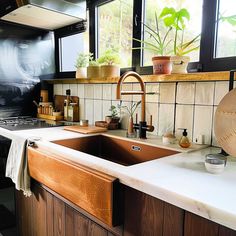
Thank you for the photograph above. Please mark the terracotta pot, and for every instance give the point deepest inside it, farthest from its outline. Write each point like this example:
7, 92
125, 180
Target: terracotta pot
179, 64
161, 65
93, 71
110, 119
110, 71
81, 73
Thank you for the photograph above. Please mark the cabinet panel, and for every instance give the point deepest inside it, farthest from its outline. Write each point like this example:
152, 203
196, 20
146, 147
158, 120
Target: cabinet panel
81, 226
226, 231
197, 226
69, 218
59, 217
143, 214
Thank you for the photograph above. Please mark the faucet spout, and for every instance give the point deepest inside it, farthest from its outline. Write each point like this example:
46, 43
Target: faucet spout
142, 126
119, 92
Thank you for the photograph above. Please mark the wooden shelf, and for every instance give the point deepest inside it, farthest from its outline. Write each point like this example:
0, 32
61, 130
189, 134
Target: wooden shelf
201, 76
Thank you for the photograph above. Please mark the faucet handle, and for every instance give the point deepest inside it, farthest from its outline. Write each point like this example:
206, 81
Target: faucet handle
136, 118
150, 127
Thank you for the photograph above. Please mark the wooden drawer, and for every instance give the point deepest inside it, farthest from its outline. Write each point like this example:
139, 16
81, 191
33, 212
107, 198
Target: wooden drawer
97, 193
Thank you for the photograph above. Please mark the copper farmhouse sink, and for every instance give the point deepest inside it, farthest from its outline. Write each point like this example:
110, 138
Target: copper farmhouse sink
116, 150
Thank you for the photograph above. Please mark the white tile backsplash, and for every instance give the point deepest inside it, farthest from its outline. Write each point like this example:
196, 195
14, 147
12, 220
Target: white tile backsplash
167, 92
106, 92
185, 93
221, 89
204, 93
203, 123
184, 119
166, 118
127, 87
194, 108
97, 93
88, 91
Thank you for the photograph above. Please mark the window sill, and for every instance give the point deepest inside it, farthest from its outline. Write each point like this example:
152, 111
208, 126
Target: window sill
190, 77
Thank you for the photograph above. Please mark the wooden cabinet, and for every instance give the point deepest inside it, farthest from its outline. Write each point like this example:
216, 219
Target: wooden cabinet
46, 213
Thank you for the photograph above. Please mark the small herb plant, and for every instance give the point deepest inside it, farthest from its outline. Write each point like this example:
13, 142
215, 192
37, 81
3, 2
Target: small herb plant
110, 57
177, 20
114, 112
92, 62
82, 60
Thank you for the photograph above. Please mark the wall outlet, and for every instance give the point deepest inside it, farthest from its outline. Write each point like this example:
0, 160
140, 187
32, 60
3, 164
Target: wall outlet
199, 139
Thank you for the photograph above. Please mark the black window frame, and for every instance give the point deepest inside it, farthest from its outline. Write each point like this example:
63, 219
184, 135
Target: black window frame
206, 63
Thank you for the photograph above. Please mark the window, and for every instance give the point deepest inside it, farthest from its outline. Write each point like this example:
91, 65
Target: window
153, 7
70, 47
114, 29
226, 29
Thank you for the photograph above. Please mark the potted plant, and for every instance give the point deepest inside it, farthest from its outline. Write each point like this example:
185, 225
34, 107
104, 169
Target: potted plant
81, 65
158, 44
113, 117
176, 20
93, 69
109, 64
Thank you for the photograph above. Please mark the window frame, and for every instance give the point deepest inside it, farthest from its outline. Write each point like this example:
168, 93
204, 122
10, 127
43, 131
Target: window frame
206, 63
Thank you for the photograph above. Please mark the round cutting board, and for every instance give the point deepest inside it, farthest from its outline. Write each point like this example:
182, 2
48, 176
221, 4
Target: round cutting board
225, 123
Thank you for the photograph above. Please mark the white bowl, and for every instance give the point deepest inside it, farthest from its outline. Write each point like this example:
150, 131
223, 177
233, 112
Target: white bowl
215, 166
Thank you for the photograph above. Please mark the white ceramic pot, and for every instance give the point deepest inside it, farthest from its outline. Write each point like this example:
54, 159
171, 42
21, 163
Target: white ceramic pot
93, 71
81, 73
110, 71
179, 64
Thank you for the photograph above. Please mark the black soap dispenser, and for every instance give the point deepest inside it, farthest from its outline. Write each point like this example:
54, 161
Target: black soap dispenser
184, 141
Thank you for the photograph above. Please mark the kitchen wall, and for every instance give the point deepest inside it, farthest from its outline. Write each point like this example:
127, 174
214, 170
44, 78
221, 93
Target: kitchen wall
188, 105
27, 57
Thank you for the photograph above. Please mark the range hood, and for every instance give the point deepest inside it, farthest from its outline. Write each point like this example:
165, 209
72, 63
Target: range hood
44, 14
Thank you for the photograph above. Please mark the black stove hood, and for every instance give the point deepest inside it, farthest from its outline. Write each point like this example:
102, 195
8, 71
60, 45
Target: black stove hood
44, 14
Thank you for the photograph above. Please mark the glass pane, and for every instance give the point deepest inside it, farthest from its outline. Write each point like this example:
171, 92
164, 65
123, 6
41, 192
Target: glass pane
193, 26
115, 26
226, 36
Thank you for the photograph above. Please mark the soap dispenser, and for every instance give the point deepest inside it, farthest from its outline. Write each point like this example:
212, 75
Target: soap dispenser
184, 141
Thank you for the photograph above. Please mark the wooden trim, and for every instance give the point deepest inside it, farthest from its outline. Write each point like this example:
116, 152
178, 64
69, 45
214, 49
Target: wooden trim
89, 189
201, 76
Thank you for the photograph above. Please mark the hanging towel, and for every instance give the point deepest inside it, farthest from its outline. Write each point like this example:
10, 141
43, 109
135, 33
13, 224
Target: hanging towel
17, 165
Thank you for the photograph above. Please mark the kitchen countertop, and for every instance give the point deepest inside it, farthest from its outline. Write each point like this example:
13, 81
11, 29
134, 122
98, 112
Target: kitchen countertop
180, 179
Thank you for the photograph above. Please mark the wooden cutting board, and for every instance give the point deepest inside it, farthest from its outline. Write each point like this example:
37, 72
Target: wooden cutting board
85, 130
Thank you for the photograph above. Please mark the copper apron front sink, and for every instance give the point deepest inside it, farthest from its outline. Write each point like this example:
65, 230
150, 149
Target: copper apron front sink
120, 151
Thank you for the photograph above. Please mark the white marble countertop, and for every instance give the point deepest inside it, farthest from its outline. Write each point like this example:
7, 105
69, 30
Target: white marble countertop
180, 179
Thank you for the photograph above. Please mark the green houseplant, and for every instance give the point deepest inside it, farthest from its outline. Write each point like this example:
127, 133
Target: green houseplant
81, 65
93, 69
157, 42
109, 61
177, 20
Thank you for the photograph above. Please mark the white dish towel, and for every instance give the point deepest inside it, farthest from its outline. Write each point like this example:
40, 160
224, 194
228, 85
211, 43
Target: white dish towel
17, 165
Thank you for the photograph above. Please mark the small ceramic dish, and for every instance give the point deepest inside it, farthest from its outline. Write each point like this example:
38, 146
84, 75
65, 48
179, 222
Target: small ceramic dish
168, 138
215, 163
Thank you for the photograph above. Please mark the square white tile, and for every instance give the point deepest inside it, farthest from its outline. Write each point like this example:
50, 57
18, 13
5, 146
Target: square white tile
152, 88
167, 92
97, 93
204, 93
57, 89
221, 89
64, 88
214, 142
185, 93
106, 105
184, 119
136, 87
166, 119
81, 90
127, 87
81, 109
89, 111
203, 123
97, 110
74, 89
88, 91
113, 91
106, 91
152, 109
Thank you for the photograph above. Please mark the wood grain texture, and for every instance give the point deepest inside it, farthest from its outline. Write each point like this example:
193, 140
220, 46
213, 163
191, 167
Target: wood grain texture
85, 130
50, 212
223, 231
197, 226
200, 76
69, 220
143, 214
173, 220
87, 188
59, 217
